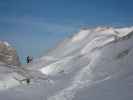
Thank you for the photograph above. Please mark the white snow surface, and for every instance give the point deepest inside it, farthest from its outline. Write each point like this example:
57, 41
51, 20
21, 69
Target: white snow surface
5, 43
95, 64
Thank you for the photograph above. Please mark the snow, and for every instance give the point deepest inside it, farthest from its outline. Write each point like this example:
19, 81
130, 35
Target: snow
6, 43
96, 43
8, 78
56, 67
94, 64
81, 35
124, 31
8, 83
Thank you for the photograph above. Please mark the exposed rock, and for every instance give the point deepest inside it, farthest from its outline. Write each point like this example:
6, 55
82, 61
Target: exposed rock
8, 54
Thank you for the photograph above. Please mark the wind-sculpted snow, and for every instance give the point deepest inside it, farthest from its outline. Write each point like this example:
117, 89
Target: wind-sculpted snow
95, 64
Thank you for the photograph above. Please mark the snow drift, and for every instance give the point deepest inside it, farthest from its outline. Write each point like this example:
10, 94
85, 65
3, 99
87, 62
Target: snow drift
94, 64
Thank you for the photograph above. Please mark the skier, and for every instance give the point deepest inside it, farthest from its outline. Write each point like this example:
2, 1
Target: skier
29, 59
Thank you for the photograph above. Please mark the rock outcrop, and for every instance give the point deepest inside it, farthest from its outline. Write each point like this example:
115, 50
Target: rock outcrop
8, 54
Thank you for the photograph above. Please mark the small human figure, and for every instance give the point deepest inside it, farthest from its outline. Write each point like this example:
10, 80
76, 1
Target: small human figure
29, 59
28, 81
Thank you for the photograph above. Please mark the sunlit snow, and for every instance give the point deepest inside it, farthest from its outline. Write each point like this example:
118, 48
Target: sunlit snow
95, 64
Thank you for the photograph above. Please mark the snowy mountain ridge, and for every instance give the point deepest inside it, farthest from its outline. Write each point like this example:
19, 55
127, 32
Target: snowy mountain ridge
82, 43
91, 48
94, 64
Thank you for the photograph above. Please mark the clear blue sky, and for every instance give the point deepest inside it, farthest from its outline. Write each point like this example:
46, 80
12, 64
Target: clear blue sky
33, 26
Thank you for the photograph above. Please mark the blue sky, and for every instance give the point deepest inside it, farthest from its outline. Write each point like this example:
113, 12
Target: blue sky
34, 26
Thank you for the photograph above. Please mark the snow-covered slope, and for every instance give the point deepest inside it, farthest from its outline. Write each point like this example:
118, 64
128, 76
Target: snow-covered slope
94, 64
12, 74
8, 77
